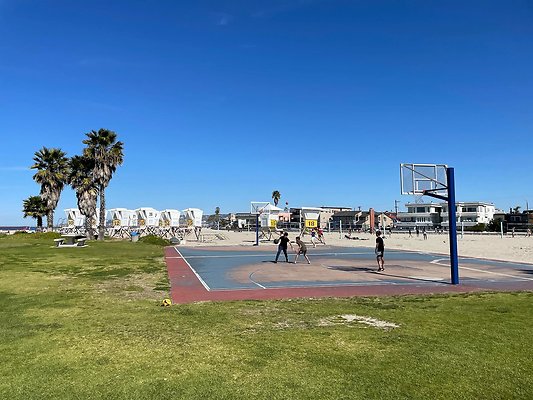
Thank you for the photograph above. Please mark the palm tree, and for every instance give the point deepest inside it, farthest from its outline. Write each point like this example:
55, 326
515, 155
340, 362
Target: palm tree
34, 207
106, 152
516, 210
52, 169
276, 196
217, 217
81, 179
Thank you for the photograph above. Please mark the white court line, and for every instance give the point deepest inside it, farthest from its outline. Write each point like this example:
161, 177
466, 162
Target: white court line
258, 284
192, 269
263, 255
487, 272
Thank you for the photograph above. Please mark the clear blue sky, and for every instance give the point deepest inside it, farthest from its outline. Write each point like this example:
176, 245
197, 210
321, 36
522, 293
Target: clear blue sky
222, 102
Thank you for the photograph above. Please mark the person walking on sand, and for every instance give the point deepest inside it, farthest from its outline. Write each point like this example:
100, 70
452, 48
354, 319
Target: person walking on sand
302, 249
380, 249
284, 241
321, 237
313, 237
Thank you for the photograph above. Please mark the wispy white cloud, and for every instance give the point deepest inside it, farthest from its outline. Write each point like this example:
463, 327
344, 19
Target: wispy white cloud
223, 19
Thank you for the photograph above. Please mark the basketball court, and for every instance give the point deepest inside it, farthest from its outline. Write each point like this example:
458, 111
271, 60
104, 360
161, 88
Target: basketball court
246, 272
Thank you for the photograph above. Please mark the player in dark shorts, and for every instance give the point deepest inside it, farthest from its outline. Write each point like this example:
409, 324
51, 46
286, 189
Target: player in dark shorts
380, 249
302, 249
283, 242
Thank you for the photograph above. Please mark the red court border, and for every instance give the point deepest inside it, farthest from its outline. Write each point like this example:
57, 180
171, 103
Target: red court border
185, 287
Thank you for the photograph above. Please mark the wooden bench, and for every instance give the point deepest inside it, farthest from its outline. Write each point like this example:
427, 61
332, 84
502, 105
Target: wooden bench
59, 242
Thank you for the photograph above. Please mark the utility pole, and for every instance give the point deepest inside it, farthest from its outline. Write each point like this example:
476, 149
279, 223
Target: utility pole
396, 206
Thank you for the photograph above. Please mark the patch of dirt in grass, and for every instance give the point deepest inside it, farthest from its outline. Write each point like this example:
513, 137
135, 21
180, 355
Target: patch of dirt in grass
348, 319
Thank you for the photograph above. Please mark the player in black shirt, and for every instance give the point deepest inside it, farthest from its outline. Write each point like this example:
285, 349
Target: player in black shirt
380, 249
283, 242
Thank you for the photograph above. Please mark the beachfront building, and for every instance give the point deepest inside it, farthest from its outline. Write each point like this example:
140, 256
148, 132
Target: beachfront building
245, 220
469, 214
520, 222
385, 220
420, 215
354, 220
326, 215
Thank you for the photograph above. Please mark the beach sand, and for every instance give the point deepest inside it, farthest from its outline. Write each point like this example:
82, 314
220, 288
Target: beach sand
517, 249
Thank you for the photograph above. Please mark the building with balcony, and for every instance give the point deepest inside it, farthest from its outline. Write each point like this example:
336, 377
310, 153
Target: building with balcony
421, 215
469, 214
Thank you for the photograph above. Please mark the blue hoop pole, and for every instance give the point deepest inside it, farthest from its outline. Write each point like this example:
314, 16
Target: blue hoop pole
257, 229
452, 226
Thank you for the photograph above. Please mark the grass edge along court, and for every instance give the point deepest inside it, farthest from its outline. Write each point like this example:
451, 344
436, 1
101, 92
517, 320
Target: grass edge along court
86, 323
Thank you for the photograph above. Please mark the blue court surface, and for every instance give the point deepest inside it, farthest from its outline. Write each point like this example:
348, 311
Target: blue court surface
238, 268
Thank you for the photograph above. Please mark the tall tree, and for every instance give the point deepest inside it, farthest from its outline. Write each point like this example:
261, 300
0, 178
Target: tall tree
217, 216
81, 179
276, 196
34, 207
107, 154
52, 170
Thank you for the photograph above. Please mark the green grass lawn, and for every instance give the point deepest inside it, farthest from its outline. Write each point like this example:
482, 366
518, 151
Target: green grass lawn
85, 323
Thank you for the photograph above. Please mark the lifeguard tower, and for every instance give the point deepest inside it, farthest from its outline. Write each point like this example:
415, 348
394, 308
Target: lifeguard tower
148, 220
268, 220
193, 220
309, 219
75, 220
267, 217
120, 222
169, 223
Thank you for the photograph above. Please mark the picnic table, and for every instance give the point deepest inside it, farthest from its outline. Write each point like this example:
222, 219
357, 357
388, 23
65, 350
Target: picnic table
71, 241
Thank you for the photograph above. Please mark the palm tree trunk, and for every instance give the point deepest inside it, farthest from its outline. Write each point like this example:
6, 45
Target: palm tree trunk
50, 220
101, 225
89, 227
39, 223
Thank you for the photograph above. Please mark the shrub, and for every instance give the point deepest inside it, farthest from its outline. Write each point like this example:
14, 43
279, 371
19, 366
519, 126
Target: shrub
38, 235
476, 228
155, 240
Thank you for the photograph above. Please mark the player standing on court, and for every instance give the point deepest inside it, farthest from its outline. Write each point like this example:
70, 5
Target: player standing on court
302, 249
380, 249
283, 242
